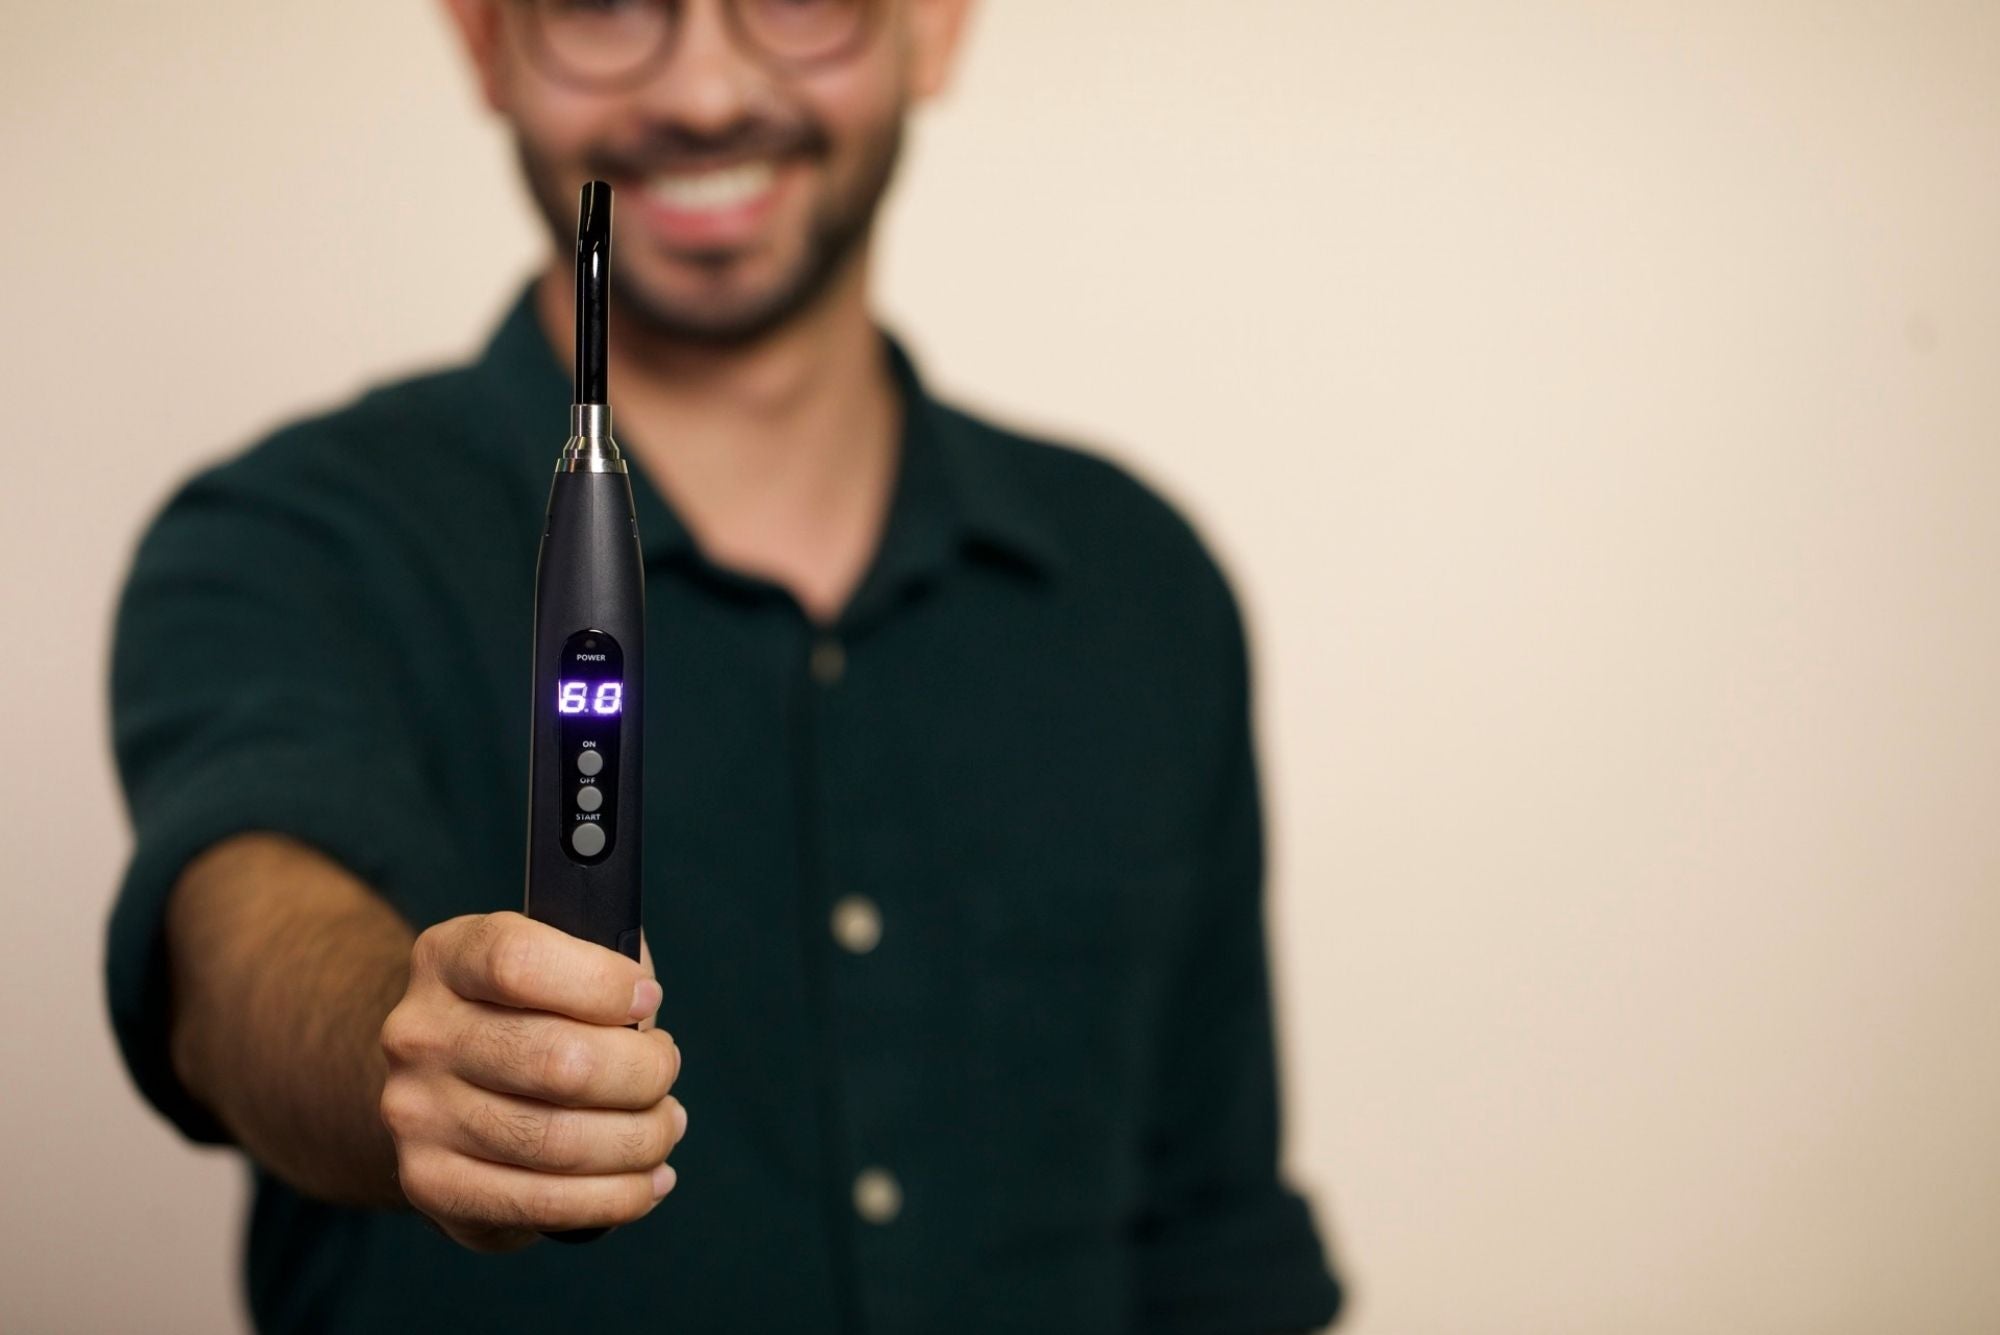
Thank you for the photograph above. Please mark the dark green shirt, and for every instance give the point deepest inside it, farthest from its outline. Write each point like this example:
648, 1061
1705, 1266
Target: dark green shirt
1024, 748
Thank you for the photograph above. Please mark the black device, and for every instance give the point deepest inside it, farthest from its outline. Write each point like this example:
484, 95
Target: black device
585, 760
586, 757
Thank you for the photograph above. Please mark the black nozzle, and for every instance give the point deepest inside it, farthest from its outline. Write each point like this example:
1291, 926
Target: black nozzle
593, 262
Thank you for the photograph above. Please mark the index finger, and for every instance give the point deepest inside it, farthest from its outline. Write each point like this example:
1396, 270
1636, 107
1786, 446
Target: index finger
511, 960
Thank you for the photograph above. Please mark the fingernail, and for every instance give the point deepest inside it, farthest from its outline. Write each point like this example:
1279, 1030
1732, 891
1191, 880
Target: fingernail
663, 1180
682, 1110
646, 996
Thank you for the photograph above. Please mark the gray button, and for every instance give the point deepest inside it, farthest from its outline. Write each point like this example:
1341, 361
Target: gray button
857, 924
590, 762
878, 1197
587, 840
828, 662
590, 797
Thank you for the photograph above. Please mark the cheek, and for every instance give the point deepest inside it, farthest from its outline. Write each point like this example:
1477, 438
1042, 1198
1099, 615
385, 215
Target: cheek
859, 103
559, 133
559, 124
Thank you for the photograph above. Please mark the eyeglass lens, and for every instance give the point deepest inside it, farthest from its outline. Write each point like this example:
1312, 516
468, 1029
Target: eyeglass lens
605, 42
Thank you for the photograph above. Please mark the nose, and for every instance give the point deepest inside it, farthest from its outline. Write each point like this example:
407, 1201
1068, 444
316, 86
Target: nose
709, 83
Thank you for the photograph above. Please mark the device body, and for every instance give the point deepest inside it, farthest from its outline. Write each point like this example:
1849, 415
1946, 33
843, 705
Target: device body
586, 756
586, 762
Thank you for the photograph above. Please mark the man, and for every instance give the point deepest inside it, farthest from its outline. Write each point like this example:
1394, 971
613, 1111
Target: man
953, 842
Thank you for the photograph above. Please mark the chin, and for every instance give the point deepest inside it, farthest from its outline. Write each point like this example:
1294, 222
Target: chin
719, 313
712, 322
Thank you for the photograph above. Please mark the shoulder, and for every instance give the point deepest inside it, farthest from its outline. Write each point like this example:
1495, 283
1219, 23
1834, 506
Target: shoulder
384, 428
1118, 535
327, 480
350, 517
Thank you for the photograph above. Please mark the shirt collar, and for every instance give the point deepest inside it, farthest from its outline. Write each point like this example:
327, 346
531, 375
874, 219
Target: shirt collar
956, 495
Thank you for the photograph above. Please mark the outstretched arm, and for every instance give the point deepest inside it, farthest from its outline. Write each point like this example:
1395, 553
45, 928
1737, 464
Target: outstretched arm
482, 1072
284, 966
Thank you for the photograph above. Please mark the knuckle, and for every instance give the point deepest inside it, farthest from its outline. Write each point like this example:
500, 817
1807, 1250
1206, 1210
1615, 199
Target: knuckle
474, 930
408, 1036
423, 1181
435, 942
402, 1109
424, 951
568, 1065
513, 962
399, 1035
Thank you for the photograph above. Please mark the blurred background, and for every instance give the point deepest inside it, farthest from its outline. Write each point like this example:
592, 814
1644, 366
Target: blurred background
1598, 407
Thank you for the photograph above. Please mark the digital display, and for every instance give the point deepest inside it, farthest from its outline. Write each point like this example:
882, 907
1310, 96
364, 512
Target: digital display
590, 697
587, 734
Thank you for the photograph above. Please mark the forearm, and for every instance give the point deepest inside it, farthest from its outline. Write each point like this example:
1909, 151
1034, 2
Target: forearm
284, 966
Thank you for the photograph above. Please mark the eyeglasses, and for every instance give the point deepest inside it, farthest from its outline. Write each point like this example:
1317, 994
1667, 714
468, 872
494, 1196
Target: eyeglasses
611, 44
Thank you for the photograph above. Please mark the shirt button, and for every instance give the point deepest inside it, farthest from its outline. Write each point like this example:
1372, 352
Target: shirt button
877, 1197
828, 662
857, 924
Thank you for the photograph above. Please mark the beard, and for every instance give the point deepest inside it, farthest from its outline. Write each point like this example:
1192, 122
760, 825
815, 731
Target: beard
835, 233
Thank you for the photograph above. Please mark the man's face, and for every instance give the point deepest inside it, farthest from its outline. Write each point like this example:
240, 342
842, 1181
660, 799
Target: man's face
745, 185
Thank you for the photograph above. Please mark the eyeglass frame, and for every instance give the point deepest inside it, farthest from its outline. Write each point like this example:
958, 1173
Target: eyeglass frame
543, 55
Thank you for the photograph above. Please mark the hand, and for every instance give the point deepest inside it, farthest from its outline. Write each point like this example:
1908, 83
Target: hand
518, 1100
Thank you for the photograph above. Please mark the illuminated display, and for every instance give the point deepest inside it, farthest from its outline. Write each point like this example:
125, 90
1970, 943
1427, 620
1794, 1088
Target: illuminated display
590, 697
587, 732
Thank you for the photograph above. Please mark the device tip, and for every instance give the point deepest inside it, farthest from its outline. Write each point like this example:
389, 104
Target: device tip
593, 218
593, 263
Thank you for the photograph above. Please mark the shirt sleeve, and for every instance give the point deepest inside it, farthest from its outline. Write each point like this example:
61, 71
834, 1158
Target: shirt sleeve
250, 691
1226, 1247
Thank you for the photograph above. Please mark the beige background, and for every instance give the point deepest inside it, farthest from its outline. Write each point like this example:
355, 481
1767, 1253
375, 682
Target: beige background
1595, 402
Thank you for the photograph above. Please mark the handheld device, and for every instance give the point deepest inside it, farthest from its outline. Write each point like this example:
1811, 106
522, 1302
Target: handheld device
585, 757
585, 761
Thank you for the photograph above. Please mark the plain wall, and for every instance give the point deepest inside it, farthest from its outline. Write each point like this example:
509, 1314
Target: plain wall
1596, 405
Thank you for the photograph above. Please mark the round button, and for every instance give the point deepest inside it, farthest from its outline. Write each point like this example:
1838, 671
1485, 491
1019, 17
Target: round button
587, 840
828, 662
878, 1197
857, 924
590, 762
589, 797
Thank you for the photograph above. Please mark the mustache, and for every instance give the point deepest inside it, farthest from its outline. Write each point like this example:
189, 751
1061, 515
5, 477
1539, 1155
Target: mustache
668, 147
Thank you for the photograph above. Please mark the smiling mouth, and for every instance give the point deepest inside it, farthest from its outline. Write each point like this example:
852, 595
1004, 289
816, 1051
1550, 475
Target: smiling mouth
715, 190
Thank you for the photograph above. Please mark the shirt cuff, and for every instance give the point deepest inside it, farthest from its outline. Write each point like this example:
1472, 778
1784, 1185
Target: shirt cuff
1238, 1267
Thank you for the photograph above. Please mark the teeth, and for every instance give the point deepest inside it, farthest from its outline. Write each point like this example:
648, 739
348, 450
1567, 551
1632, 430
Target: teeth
713, 191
